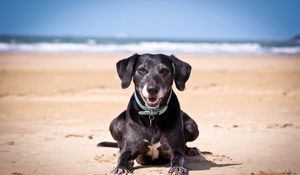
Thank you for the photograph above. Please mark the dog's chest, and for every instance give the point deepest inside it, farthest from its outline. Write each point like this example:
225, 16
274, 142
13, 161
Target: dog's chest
154, 142
153, 149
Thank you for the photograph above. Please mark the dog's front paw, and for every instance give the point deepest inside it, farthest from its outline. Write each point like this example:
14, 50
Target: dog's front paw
177, 171
120, 171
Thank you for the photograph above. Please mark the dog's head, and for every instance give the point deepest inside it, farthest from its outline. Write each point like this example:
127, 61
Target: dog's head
153, 75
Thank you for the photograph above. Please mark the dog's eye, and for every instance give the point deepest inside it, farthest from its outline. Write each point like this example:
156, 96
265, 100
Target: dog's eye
164, 71
142, 70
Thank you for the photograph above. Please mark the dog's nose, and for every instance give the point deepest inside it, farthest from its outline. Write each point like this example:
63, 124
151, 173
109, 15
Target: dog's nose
152, 89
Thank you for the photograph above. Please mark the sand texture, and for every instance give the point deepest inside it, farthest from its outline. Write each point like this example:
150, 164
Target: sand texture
55, 108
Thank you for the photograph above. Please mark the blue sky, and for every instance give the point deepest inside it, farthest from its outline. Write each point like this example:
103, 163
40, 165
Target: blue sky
186, 19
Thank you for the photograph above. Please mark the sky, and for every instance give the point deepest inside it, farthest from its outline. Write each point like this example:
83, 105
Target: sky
185, 19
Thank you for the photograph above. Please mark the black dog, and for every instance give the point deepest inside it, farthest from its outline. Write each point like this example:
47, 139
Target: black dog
153, 129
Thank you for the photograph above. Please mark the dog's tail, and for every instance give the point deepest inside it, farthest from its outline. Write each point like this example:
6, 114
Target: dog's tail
108, 144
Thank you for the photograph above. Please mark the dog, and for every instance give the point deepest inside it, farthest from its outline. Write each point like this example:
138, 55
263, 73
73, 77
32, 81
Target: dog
153, 129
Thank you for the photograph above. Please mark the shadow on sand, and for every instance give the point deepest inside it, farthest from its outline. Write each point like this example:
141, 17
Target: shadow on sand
198, 163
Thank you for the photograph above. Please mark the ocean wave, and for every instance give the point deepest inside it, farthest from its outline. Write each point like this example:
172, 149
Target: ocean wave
286, 50
154, 47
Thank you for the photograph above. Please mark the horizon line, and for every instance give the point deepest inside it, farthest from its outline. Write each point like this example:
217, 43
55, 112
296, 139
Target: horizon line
146, 38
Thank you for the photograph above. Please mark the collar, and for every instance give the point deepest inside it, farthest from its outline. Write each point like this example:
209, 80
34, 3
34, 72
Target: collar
151, 112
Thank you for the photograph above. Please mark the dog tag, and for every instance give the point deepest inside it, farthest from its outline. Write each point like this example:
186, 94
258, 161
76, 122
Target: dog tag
151, 118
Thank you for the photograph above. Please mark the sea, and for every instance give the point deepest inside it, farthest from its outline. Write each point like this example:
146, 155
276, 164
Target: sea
144, 45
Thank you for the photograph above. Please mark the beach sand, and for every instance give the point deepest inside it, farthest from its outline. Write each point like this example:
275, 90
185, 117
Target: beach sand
55, 108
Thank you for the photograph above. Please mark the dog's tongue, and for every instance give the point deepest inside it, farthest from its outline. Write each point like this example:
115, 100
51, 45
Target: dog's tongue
152, 100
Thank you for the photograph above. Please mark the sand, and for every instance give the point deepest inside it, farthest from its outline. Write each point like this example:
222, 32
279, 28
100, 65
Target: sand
55, 108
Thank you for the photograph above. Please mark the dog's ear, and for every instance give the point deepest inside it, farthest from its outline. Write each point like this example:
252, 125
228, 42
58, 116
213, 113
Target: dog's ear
125, 69
182, 71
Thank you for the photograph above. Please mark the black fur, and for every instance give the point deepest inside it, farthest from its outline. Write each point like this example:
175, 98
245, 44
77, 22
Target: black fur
171, 130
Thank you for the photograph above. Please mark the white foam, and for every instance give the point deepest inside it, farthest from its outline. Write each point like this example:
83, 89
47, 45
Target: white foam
151, 47
286, 50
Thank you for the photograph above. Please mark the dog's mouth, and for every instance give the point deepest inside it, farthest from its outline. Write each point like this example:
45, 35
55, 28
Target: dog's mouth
152, 101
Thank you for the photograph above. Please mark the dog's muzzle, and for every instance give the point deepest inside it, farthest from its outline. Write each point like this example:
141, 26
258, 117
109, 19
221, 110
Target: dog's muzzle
152, 95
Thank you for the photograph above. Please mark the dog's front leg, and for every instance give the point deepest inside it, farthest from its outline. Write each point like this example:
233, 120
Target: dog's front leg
125, 162
177, 164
